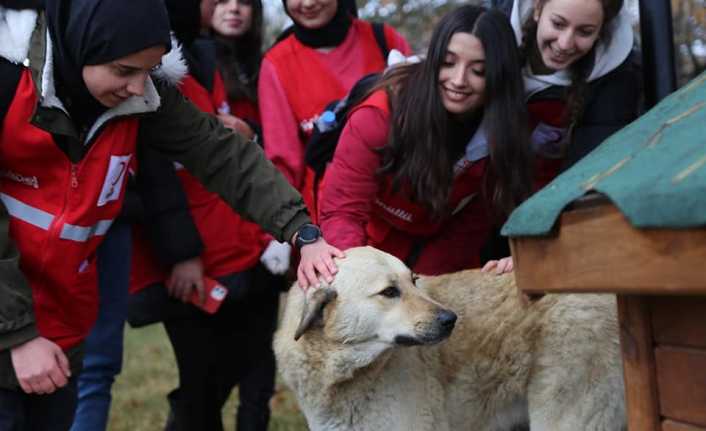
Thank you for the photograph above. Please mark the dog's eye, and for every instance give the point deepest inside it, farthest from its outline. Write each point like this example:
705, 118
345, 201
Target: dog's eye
391, 292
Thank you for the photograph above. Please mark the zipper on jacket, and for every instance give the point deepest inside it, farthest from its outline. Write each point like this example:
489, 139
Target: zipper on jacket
54, 230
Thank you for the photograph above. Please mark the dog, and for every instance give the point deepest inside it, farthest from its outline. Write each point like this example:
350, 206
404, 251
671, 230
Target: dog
366, 353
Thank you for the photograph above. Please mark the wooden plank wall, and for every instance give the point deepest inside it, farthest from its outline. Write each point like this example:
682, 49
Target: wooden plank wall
638, 363
670, 425
679, 333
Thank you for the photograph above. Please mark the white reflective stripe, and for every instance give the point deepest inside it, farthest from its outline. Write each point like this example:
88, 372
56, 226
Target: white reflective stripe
27, 213
84, 233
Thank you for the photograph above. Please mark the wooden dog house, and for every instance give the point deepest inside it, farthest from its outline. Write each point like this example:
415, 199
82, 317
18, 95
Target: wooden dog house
630, 219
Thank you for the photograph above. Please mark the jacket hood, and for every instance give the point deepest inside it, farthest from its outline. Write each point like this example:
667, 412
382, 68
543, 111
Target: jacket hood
610, 52
17, 27
94, 32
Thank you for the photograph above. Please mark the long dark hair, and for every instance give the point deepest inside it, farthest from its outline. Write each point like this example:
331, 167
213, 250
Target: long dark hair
417, 153
581, 69
239, 58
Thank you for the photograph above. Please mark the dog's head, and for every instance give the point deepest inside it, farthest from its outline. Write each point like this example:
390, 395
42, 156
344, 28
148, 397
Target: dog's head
374, 298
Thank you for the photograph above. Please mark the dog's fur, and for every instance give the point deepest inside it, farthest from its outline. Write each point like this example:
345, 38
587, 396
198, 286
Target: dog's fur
554, 363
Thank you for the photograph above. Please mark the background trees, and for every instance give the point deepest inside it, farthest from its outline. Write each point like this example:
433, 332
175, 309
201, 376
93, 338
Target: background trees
416, 19
689, 20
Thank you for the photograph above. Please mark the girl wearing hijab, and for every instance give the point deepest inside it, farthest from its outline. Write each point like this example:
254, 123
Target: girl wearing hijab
83, 98
326, 53
427, 164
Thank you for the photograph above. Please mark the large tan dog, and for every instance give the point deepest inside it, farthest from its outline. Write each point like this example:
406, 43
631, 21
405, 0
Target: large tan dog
367, 356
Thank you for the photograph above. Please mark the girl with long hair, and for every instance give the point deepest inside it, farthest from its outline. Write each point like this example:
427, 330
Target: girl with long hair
438, 153
580, 77
581, 80
208, 348
237, 27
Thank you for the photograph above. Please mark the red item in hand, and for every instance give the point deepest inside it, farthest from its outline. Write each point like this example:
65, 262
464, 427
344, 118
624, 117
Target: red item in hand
215, 294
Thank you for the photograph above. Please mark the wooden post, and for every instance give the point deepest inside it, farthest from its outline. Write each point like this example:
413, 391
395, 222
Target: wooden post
638, 363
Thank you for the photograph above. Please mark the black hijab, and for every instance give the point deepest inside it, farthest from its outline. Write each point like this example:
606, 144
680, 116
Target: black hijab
184, 19
22, 4
92, 32
331, 34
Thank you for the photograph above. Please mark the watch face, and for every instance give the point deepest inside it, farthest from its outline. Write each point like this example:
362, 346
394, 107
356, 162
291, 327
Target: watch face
308, 233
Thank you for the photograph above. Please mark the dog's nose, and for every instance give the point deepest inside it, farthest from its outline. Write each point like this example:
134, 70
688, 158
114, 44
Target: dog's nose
446, 318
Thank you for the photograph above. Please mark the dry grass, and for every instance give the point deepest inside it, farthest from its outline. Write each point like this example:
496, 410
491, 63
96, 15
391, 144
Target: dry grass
149, 373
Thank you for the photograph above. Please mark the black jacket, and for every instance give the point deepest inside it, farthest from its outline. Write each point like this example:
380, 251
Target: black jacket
612, 102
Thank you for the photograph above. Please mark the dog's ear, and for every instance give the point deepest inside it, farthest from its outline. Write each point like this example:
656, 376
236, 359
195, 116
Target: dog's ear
313, 307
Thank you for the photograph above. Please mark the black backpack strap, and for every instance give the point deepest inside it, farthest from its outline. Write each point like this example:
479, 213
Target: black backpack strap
9, 79
379, 32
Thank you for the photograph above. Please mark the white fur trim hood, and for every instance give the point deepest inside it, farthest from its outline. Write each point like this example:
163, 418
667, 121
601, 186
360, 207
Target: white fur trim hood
16, 27
173, 68
609, 53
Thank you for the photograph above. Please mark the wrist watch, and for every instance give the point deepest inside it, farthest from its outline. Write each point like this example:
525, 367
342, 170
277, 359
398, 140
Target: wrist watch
307, 234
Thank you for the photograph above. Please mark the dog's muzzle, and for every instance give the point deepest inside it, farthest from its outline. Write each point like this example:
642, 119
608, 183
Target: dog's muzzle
431, 333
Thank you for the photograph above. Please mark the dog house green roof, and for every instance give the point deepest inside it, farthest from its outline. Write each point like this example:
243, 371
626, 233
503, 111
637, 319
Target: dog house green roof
653, 171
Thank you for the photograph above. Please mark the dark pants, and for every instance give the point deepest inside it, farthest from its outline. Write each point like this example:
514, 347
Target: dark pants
103, 349
52, 412
232, 347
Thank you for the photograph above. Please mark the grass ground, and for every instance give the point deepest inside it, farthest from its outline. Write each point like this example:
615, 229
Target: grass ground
149, 373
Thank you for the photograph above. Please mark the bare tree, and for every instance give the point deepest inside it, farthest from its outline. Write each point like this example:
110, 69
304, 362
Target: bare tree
415, 19
689, 18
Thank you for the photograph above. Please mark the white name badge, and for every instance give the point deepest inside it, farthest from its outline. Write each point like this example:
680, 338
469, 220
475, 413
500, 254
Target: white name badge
114, 179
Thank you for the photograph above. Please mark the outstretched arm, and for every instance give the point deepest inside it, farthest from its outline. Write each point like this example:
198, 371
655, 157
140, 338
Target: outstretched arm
350, 185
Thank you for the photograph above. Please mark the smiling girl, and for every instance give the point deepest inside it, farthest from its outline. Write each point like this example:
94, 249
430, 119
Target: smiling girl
438, 154
581, 81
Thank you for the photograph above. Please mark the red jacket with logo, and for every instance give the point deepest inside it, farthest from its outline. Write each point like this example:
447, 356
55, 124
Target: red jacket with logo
309, 84
59, 210
231, 244
359, 209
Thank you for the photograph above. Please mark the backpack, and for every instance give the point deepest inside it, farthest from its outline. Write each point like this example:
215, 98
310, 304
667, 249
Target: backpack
327, 129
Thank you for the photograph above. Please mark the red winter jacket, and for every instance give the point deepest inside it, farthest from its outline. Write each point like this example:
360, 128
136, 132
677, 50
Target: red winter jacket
231, 244
359, 209
297, 82
60, 210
